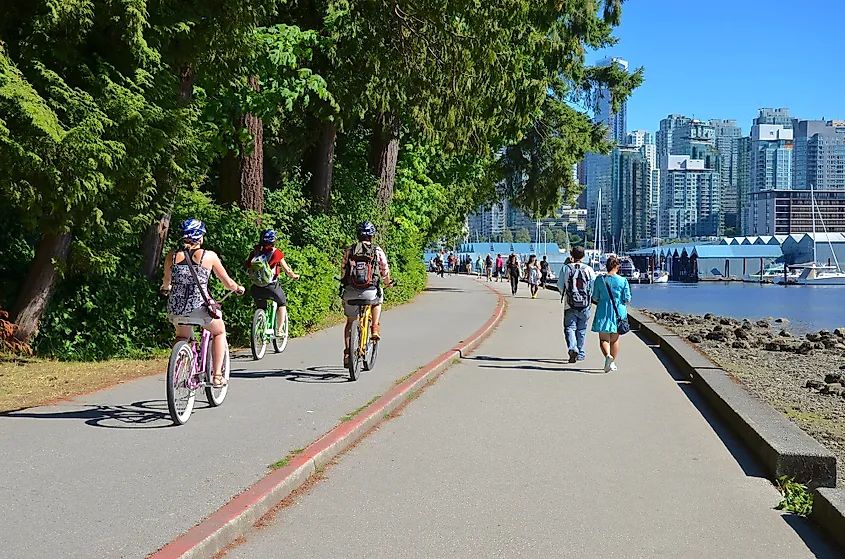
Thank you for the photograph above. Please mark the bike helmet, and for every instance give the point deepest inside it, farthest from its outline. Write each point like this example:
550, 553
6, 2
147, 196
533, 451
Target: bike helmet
366, 229
269, 237
193, 230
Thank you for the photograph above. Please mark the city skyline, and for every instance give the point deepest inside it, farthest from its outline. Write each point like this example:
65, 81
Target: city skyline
742, 84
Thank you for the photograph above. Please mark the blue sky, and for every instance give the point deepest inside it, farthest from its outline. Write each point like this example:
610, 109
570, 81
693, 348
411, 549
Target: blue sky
727, 58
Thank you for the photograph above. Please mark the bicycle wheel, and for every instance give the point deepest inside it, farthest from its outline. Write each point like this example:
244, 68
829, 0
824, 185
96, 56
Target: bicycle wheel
371, 356
215, 396
258, 339
354, 353
281, 342
180, 397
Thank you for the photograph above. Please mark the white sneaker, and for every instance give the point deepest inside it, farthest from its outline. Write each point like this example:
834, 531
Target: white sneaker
608, 364
613, 366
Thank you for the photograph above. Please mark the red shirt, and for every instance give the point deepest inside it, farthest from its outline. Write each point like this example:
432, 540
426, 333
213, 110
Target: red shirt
275, 259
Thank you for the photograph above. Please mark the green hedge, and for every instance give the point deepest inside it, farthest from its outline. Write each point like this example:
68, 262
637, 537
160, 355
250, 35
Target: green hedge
120, 314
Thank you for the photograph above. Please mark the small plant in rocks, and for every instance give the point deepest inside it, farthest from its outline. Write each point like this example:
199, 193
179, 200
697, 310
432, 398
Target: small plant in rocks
797, 499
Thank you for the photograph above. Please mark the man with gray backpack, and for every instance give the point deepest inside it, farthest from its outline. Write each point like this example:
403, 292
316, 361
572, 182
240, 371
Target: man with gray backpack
576, 291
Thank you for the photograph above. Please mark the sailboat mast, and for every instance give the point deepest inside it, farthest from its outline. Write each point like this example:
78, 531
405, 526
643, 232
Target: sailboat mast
813, 211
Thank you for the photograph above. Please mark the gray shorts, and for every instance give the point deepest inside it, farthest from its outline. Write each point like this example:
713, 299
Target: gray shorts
197, 317
354, 297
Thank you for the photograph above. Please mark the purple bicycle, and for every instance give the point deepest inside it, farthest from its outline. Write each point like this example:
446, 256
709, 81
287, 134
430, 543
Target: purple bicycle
190, 368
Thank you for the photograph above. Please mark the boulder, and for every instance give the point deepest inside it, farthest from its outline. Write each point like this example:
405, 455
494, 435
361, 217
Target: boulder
717, 336
834, 377
832, 388
784, 334
825, 333
840, 347
818, 345
815, 384
694, 338
830, 343
805, 348
839, 332
727, 321
717, 328
740, 344
772, 346
746, 325
709, 316
813, 337
762, 323
742, 334
781, 320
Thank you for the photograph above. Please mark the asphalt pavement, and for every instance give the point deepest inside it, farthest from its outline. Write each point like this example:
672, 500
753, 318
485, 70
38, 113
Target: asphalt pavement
107, 475
514, 452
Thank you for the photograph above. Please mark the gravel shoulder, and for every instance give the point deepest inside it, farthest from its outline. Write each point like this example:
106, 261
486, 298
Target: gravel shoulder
802, 377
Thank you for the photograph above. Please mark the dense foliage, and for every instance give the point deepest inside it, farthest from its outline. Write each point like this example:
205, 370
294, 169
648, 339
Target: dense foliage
120, 118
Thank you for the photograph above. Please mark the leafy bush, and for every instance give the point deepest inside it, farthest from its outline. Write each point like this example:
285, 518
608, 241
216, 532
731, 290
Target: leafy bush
796, 498
118, 313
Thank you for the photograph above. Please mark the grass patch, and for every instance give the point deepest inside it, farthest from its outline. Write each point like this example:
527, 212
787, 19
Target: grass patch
406, 377
352, 414
286, 460
30, 381
797, 499
414, 395
792, 413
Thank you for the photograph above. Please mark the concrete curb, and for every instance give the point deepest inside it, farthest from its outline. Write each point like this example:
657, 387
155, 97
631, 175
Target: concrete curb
781, 446
236, 517
829, 512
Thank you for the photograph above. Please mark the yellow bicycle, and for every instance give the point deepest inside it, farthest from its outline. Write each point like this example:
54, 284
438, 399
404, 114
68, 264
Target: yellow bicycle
363, 350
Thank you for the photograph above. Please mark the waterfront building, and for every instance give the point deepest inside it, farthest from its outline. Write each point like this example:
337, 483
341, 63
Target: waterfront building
784, 212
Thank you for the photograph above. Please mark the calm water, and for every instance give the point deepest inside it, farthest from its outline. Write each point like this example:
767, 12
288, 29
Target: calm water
806, 308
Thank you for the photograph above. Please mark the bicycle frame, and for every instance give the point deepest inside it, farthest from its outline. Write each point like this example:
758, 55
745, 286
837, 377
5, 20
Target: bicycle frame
200, 363
365, 316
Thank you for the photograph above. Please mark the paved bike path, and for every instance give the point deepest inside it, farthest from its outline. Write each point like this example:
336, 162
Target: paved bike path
106, 475
516, 453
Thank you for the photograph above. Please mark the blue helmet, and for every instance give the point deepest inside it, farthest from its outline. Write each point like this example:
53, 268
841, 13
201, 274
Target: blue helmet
269, 237
366, 229
193, 230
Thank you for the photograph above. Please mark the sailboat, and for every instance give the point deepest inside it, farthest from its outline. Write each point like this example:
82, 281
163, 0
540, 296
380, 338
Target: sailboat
659, 276
595, 258
816, 274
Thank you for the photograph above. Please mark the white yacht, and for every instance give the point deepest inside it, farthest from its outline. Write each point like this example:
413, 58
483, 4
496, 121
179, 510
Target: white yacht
767, 275
660, 276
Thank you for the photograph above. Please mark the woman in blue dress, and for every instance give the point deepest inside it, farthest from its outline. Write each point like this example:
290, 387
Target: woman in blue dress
606, 319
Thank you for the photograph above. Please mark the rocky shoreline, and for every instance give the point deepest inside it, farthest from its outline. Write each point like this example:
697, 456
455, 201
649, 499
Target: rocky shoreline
803, 377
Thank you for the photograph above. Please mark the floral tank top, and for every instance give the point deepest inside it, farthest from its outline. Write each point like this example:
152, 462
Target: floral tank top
185, 296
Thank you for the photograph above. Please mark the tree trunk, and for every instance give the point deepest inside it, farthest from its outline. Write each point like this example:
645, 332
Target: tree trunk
156, 234
384, 151
153, 246
52, 250
321, 163
242, 177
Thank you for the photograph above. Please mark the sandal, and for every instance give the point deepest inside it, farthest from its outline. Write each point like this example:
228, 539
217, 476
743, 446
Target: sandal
223, 382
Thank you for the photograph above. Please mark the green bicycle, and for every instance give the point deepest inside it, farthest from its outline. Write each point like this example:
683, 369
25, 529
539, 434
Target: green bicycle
264, 331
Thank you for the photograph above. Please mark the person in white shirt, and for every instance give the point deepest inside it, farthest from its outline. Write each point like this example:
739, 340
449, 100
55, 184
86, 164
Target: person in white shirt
576, 290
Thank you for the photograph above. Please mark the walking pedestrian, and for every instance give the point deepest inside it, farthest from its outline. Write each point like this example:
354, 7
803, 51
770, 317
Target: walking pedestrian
532, 275
499, 270
513, 273
438, 265
544, 272
488, 267
611, 295
576, 286
479, 266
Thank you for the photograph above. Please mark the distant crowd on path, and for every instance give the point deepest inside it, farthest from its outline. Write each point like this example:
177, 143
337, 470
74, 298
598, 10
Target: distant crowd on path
581, 288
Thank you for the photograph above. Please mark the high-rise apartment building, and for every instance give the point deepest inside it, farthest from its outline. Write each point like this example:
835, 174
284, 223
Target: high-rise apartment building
727, 135
688, 159
616, 121
488, 222
770, 165
818, 155
639, 138
630, 203
743, 181
693, 198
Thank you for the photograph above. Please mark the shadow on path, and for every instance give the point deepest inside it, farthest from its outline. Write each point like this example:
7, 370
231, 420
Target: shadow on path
314, 375
146, 414
519, 363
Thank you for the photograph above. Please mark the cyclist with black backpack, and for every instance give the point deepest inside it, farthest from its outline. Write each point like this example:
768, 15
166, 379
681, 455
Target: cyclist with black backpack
364, 266
576, 281
263, 267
